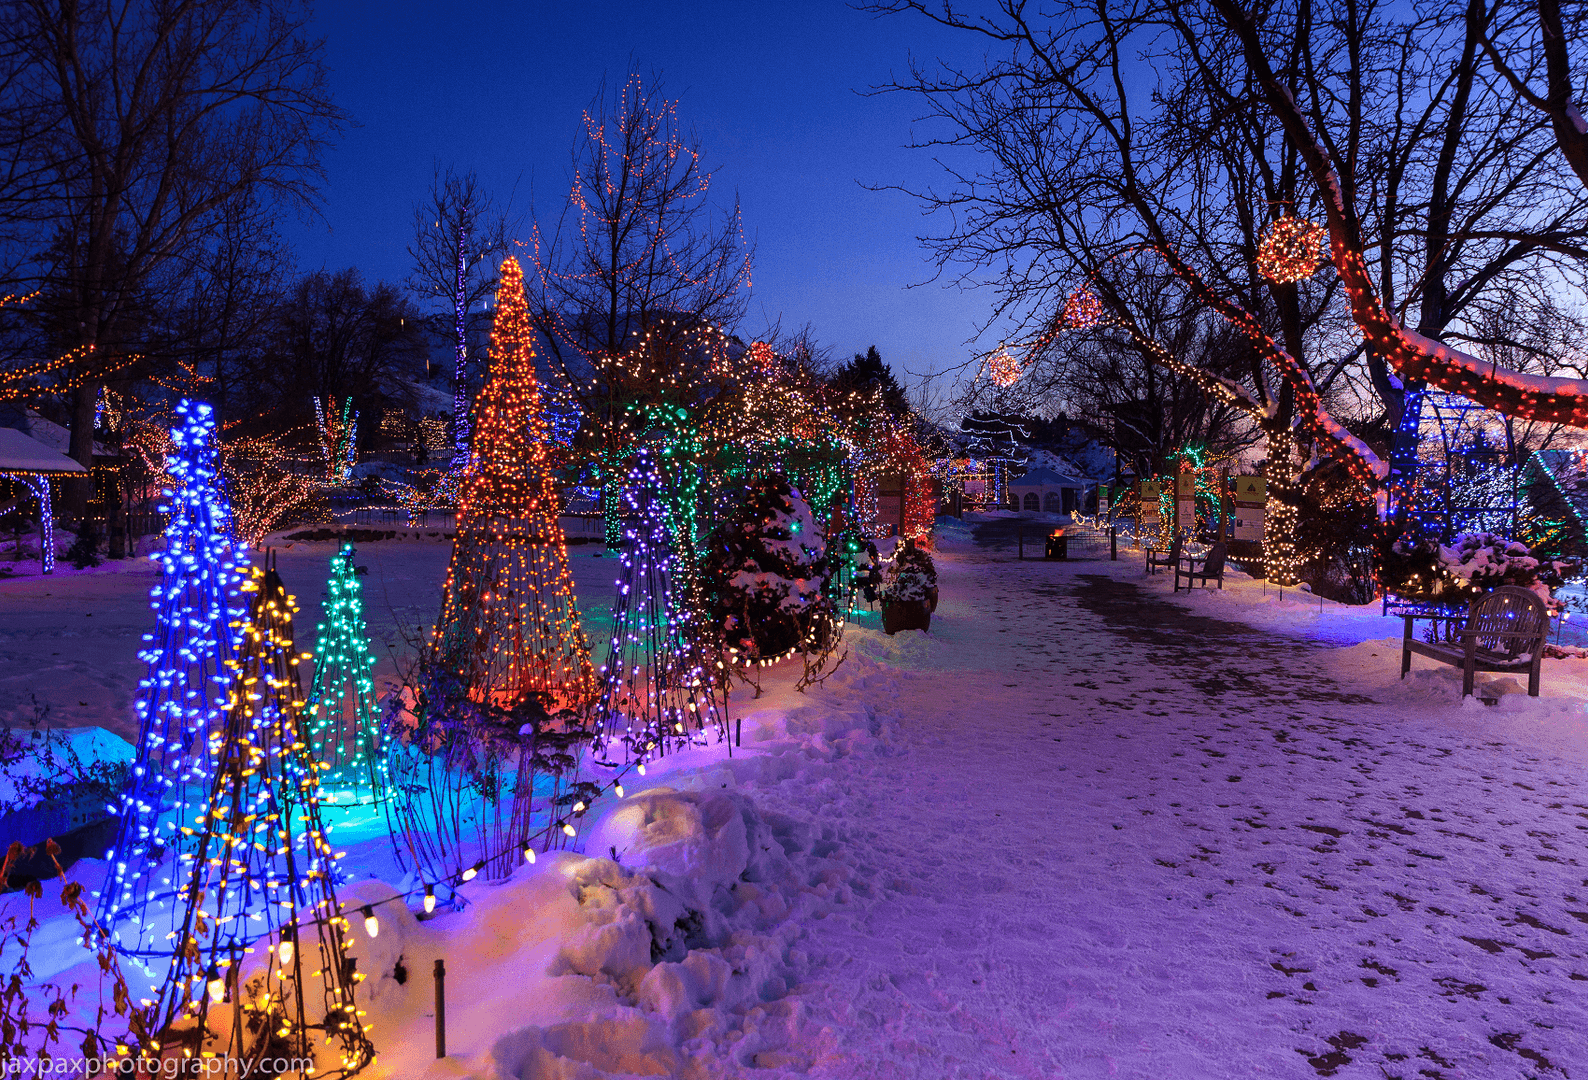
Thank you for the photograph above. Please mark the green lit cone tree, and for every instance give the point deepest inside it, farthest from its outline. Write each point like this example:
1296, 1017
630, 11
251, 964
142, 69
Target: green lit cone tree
259, 971
344, 728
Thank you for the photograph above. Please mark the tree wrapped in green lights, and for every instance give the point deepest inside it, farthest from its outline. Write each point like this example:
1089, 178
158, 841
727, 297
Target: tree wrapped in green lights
344, 728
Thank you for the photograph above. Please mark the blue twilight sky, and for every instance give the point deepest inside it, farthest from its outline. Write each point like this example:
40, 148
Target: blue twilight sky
770, 88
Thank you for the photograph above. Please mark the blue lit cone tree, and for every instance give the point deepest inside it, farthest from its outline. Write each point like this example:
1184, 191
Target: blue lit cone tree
506, 682
344, 731
658, 688
259, 971
181, 703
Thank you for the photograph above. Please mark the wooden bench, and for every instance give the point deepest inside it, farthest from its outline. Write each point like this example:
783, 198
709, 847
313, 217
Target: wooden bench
1504, 631
1170, 559
1212, 568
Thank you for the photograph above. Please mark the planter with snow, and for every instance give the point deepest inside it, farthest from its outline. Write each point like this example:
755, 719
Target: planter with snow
909, 594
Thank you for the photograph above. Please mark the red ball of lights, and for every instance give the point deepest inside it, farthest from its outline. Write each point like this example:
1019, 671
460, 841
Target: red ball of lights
1291, 250
1082, 310
1004, 369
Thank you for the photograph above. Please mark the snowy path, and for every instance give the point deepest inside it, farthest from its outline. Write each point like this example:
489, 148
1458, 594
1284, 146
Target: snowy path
1137, 842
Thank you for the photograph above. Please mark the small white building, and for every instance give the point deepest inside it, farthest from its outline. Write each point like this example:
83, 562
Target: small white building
1042, 490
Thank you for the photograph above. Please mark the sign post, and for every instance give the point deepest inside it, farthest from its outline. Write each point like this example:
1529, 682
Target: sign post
1147, 506
1185, 506
1251, 500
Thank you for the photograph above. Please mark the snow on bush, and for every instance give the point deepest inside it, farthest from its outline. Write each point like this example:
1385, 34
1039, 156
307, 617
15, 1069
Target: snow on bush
911, 575
1484, 561
766, 573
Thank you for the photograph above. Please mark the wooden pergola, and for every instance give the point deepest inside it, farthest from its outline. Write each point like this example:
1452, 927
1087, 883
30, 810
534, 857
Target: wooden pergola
25, 459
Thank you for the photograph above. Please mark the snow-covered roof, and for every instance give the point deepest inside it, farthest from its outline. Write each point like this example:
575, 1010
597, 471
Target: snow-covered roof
1040, 477
21, 453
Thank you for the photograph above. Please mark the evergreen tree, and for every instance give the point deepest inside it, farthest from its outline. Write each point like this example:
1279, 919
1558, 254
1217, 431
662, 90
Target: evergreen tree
766, 577
867, 372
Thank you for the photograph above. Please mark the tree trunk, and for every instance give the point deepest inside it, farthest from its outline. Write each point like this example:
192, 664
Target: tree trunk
77, 492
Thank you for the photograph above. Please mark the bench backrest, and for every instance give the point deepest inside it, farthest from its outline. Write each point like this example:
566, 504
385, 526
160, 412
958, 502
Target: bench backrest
1176, 546
1509, 620
1214, 565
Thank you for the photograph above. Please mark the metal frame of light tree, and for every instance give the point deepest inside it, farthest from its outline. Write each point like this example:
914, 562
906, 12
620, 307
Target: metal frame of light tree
181, 703
659, 687
262, 872
508, 640
344, 724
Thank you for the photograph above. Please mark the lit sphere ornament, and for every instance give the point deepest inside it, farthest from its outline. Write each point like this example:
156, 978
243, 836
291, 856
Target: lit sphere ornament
1004, 369
1291, 250
1082, 310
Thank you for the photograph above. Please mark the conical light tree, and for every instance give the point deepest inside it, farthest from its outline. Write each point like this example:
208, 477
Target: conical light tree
344, 732
483, 769
658, 687
181, 703
509, 627
259, 973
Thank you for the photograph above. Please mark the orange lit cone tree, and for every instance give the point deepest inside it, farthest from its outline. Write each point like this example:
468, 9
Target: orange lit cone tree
506, 681
258, 971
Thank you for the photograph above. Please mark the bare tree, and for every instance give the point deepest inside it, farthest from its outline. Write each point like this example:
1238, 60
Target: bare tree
460, 237
638, 240
640, 261
142, 120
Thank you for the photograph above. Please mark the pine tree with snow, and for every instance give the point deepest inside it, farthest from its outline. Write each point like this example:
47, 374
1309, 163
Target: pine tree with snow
181, 702
766, 577
344, 730
911, 575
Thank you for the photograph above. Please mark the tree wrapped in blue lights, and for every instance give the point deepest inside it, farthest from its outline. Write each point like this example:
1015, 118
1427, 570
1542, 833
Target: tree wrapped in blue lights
261, 874
181, 704
658, 686
344, 729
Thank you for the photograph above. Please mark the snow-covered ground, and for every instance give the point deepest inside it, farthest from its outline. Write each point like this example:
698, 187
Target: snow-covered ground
1083, 828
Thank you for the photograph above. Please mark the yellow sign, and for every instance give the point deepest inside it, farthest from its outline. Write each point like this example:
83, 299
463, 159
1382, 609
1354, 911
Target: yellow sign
1185, 485
1251, 489
1149, 491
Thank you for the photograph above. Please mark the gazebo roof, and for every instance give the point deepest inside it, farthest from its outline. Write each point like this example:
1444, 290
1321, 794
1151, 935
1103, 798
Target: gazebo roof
23, 454
1039, 476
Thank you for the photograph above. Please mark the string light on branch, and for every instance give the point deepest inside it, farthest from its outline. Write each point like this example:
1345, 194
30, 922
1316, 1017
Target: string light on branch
1291, 250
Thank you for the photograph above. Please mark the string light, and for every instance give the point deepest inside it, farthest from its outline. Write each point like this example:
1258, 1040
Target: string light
181, 702
509, 625
1082, 310
338, 436
1004, 369
344, 729
261, 855
658, 687
506, 678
